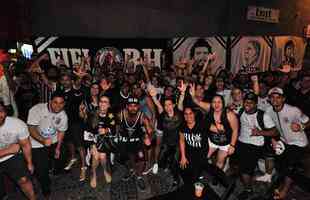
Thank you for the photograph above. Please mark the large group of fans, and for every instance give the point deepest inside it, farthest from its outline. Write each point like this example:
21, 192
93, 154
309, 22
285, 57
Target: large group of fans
150, 119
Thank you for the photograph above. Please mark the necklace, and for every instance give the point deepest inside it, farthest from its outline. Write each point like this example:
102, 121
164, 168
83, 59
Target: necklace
123, 96
135, 123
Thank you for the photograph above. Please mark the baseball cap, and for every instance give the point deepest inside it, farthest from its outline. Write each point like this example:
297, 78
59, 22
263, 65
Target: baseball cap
251, 96
131, 100
275, 90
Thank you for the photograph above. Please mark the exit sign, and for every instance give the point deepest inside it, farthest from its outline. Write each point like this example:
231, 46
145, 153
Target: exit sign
262, 14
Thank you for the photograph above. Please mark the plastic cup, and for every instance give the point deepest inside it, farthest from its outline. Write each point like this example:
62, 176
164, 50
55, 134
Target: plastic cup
198, 189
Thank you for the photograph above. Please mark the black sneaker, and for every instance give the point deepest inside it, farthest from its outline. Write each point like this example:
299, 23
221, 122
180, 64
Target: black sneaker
245, 194
140, 183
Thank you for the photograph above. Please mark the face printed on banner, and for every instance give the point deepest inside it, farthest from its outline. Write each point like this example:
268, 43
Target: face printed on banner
201, 53
251, 52
289, 49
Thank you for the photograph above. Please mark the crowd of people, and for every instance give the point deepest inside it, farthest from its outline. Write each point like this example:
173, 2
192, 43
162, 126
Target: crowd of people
146, 119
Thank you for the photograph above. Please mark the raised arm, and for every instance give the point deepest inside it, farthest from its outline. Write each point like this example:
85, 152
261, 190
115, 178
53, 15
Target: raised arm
182, 89
204, 105
255, 82
152, 92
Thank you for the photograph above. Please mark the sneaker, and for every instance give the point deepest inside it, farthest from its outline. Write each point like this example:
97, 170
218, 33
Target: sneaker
245, 194
83, 173
107, 176
141, 183
155, 168
70, 164
264, 178
147, 171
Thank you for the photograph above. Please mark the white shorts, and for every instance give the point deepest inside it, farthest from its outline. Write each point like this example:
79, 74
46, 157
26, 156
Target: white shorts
215, 146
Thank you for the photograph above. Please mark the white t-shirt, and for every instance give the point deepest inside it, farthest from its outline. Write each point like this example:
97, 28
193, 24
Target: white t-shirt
11, 132
283, 121
249, 122
48, 123
263, 103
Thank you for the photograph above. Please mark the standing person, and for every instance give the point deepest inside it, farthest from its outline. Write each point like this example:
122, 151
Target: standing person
132, 138
291, 123
47, 124
194, 147
167, 134
147, 107
13, 136
102, 124
255, 127
74, 96
223, 130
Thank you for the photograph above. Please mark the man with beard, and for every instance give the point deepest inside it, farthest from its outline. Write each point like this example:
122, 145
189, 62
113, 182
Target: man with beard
199, 53
47, 124
255, 127
291, 122
74, 95
134, 132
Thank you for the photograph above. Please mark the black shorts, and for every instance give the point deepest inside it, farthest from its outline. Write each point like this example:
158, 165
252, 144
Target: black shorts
15, 167
128, 150
248, 156
75, 134
290, 159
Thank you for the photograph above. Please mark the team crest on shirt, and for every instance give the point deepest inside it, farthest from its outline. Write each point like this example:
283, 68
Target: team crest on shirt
57, 121
286, 120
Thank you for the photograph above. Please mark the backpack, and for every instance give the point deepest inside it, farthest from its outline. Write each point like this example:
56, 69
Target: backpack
259, 117
268, 150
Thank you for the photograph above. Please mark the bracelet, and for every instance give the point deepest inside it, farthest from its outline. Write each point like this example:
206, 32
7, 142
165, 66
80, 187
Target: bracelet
232, 146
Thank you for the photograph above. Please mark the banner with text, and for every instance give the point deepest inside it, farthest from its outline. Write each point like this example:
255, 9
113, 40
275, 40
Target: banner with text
69, 51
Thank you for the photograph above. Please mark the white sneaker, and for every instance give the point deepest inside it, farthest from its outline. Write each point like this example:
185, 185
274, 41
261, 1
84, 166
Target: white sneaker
70, 164
155, 168
147, 171
264, 178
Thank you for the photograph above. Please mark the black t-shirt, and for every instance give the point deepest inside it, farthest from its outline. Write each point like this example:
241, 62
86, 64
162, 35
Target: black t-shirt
73, 99
224, 137
106, 142
170, 127
196, 141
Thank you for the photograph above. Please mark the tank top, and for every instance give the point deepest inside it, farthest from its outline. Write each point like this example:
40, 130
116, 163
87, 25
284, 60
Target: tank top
131, 133
222, 138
